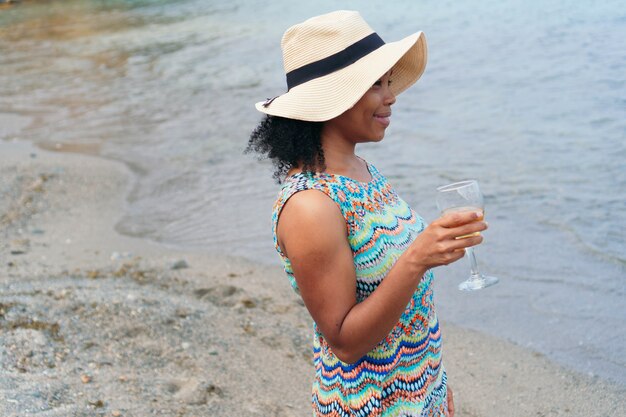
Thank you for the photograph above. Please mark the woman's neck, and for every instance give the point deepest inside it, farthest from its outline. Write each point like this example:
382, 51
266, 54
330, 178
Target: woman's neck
341, 159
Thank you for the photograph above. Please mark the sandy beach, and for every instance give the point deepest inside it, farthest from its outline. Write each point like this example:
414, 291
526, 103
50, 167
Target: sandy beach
93, 323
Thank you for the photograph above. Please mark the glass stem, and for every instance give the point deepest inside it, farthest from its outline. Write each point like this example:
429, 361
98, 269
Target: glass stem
473, 264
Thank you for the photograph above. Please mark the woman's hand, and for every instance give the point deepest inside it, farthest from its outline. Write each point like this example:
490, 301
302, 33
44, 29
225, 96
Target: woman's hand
450, 402
439, 243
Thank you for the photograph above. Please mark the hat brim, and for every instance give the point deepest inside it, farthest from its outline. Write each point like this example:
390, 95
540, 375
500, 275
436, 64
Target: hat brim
327, 97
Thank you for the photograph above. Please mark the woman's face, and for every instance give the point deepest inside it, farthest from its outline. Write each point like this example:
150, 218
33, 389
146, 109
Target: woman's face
370, 116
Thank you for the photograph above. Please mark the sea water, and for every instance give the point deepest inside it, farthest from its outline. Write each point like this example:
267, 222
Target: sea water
527, 97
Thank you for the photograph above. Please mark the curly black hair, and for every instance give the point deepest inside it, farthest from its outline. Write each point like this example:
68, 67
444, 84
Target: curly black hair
288, 143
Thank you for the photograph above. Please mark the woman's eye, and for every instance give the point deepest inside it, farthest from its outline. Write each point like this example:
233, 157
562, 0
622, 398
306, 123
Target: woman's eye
380, 82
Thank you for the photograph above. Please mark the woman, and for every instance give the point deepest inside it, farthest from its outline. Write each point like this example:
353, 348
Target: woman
357, 254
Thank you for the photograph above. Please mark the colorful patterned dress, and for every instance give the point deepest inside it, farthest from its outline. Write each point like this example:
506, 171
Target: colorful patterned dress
403, 375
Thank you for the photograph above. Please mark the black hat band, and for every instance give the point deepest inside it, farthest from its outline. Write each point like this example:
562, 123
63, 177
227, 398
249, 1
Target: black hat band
334, 62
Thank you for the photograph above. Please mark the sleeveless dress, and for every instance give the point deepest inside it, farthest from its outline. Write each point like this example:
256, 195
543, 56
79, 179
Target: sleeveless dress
403, 375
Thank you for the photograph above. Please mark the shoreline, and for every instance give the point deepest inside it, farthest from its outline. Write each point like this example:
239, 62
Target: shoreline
100, 323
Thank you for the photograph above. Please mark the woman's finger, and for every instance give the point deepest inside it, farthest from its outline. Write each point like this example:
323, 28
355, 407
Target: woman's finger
467, 242
456, 255
467, 229
459, 218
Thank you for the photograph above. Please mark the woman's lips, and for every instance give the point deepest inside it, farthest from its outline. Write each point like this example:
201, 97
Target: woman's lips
384, 119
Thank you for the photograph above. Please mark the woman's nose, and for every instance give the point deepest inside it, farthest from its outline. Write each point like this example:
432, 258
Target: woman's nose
390, 97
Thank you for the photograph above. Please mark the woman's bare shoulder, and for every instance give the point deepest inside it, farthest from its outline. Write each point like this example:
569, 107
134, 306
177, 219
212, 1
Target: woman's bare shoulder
312, 207
308, 217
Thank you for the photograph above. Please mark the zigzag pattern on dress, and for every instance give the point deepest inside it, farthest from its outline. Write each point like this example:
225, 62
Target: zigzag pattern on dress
403, 375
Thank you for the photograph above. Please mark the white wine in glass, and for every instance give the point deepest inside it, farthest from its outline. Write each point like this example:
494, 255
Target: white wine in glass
465, 196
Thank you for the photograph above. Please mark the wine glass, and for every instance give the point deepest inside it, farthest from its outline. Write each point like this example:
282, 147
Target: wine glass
465, 196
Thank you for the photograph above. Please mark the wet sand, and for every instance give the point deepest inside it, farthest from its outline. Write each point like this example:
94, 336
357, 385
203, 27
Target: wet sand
96, 323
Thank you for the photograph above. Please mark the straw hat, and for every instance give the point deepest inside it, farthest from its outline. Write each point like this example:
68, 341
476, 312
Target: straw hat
333, 59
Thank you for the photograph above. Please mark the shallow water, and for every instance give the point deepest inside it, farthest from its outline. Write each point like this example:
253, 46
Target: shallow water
528, 98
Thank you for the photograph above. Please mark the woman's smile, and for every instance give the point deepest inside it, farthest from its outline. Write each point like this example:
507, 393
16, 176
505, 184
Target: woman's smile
383, 118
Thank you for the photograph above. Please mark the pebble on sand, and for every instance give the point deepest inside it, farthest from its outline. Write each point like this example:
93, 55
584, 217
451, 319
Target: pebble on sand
179, 264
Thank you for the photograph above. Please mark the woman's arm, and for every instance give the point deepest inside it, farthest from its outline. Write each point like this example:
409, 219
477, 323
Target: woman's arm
312, 233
